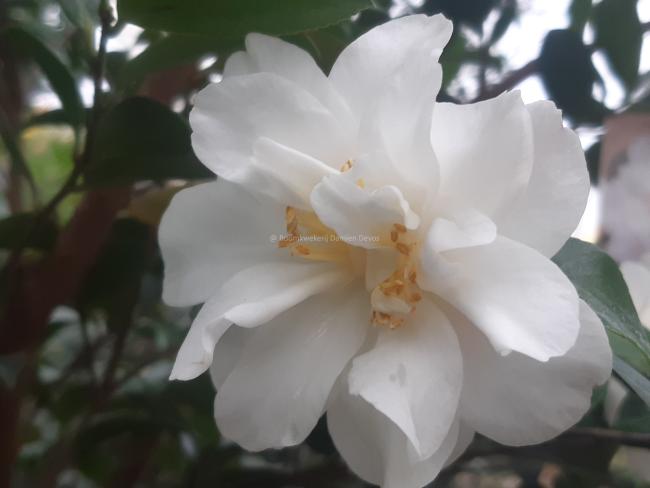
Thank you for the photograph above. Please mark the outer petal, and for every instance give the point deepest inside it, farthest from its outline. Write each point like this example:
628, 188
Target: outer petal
230, 117
546, 215
227, 352
360, 71
272, 55
520, 299
516, 400
250, 298
637, 278
376, 449
208, 233
485, 151
277, 391
413, 376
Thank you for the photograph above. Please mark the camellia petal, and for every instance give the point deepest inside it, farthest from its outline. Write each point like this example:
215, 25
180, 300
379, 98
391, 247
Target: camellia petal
548, 212
228, 118
203, 224
517, 400
520, 299
355, 213
376, 449
411, 372
266, 54
458, 229
399, 123
283, 174
250, 298
484, 150
360, 71
278, 389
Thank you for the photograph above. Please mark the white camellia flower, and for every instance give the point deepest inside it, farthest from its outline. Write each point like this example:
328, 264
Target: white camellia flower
410, 294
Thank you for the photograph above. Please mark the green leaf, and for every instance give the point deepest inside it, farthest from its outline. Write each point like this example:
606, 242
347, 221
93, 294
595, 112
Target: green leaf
141, 139
57, 74
228, 20
15, 229
569, 75
619, 33
580, 11
599, 282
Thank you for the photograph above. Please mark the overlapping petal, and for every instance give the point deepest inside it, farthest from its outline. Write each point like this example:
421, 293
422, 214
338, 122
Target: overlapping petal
519, 298
376, 449
250, 298
210, 232
517, 400
278, 389
410, 373
355, 212
266, 54
360, 71
549, 210
484, 151
230, 117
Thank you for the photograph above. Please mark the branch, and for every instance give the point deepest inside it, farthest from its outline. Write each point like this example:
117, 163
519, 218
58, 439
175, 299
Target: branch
511, 80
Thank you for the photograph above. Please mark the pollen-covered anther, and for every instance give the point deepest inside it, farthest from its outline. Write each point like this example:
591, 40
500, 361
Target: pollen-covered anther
403, 248
310, 239
395, 298
347, 166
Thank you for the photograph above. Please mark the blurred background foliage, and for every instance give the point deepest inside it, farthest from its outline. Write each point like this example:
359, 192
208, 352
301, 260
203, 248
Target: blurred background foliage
95, 142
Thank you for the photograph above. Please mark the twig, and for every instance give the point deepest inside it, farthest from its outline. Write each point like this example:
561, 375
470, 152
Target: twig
80, 162
510, 81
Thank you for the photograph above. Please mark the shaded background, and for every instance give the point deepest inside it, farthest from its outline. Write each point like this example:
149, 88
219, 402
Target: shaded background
94, 100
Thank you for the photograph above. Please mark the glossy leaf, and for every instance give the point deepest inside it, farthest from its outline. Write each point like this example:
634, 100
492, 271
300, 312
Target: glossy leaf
56, 72
140, 139
600, 283
619, 33
579, 11
569, 75
228, 20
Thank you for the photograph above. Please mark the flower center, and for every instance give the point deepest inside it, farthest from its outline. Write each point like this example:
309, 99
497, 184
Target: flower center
307, 237
396, 297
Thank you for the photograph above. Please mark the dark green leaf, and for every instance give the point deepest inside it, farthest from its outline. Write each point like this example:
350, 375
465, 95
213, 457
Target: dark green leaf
228, 20
600, 283
15, 229
580, 11
569, 75
470, 12
140, 139
635, 380
57, 74
619, 33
